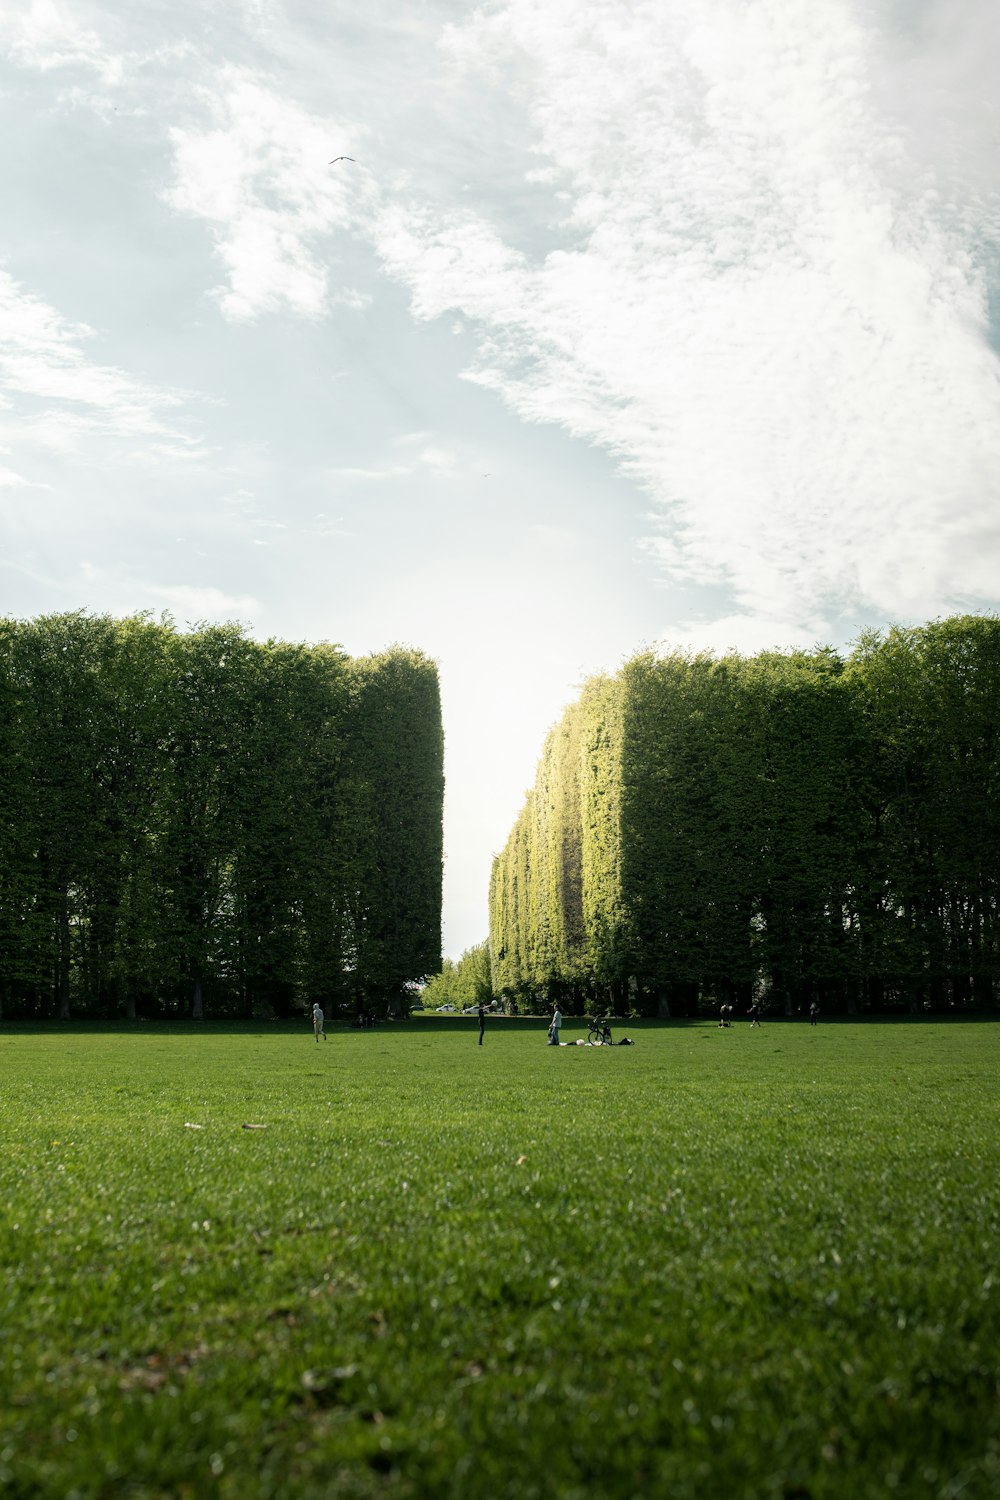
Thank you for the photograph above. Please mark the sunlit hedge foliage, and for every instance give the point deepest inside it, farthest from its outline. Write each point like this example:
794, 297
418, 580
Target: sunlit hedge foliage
788, 825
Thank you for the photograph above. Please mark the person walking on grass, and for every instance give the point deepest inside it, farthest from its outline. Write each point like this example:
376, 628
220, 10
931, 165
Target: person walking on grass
755, 1014
482, 1021
318, 1019
554, 1028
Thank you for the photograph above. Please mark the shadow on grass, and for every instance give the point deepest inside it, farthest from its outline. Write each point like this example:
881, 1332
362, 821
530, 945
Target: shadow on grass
431, 1022
172, 1026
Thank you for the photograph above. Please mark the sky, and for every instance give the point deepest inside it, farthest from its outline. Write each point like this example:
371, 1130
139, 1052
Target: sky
630, 323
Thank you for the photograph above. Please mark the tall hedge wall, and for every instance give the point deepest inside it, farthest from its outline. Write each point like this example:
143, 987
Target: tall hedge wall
203, 821
794, 825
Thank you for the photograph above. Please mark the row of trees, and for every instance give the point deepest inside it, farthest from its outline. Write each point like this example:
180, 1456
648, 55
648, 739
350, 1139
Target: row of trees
203, 820
800, 826
462, 982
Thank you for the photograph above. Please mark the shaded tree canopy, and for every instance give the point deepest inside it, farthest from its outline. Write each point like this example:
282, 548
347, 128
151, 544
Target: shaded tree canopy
203, 820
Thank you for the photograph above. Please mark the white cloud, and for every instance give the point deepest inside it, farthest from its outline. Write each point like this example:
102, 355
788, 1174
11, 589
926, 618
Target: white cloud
195, 603
772, 306
58, 396
746, 633
387, 471
440, 461
256, 168
117, 591
44, 34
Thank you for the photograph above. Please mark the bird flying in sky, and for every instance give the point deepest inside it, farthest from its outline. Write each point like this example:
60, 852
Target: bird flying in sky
342, 158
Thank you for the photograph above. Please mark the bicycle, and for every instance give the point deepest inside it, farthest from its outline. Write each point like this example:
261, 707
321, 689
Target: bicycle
600, 1031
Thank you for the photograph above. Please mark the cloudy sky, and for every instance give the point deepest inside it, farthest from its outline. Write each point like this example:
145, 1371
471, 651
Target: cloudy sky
631, 320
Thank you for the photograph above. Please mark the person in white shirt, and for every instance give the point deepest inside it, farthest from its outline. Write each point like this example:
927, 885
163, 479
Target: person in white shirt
318, 1019
554, 1028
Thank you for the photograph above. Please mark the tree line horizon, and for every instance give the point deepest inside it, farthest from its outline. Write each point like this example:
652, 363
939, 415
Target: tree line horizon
791, 826
203, 824
192, 820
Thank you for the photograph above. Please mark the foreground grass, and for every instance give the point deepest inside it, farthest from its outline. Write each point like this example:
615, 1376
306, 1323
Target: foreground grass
734, 1264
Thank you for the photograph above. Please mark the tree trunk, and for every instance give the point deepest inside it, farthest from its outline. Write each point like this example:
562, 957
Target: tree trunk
197, 1004
686, 992
64, 949
781, 990
663, 1002
982, 991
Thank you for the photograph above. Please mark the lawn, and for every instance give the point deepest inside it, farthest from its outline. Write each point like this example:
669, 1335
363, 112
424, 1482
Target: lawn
716, 1264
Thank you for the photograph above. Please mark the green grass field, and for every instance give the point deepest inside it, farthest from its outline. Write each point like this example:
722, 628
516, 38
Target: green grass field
716, 1264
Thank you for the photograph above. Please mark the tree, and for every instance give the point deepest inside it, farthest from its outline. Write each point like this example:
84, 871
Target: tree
202, 816
789, 822
397, 769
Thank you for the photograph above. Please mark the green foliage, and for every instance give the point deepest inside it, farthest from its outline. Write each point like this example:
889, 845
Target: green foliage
202, 819
397, 766
930, 701
442, 1270
790, 825
467, 982
607, 913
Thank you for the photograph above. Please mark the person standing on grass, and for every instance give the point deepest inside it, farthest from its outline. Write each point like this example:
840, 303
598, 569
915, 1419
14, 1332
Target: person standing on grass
318, 1019
813, 1013
755, 1014
482, 1021
554, 1028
